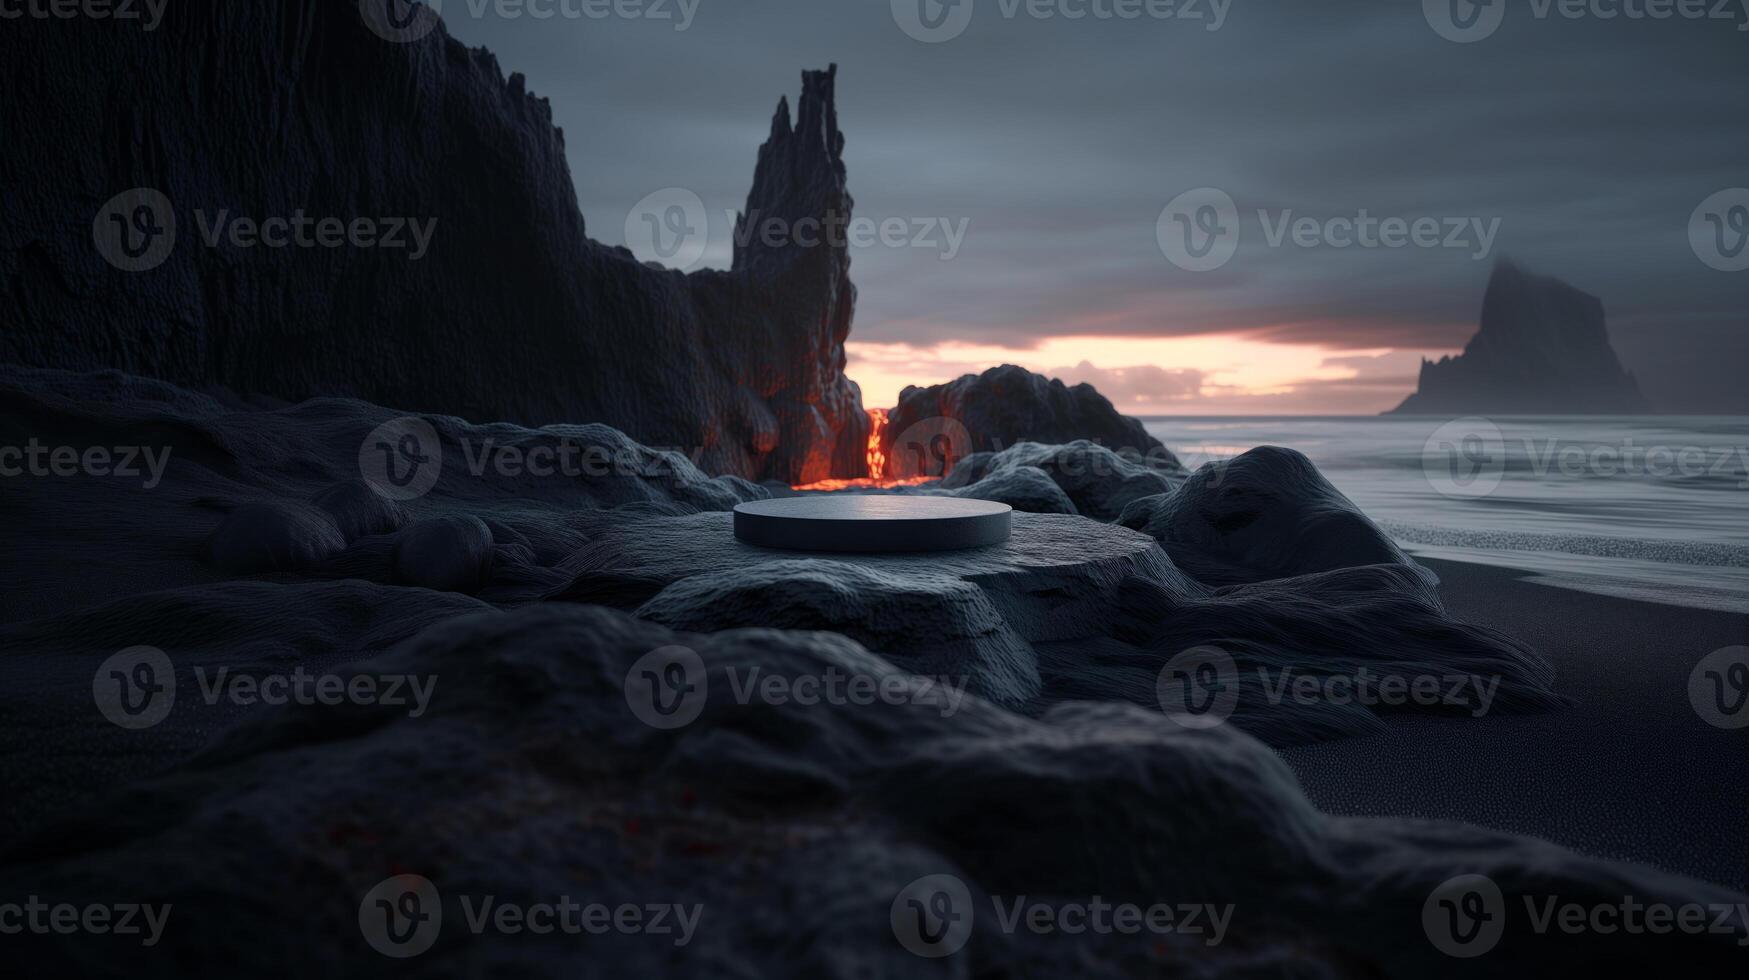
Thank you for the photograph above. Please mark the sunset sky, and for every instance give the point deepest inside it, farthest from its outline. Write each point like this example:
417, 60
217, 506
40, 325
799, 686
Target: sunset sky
1583, 145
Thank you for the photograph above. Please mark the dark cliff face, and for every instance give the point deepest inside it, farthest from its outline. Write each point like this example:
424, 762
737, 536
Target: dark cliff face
1542, 348
931, 428
285, 108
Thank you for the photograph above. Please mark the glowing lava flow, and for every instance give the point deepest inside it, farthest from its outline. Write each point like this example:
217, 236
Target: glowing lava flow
877, 462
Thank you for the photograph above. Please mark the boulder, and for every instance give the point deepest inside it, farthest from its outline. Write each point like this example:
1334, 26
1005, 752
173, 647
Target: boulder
448, 554
933, 428
1265, 514
279, 536
938, 626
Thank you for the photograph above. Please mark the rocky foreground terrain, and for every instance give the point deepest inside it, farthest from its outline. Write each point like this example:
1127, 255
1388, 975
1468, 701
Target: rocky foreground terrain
515, 633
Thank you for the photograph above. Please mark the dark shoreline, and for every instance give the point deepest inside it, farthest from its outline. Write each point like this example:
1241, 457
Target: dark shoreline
1629, 772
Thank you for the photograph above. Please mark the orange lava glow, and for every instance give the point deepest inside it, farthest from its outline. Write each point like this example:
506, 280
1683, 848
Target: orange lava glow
877, 460
877, 463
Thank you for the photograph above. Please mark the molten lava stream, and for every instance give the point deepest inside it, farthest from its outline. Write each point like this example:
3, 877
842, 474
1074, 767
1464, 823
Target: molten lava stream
877, 463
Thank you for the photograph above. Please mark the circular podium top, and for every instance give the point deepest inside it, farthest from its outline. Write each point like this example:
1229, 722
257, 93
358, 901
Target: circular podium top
872, 522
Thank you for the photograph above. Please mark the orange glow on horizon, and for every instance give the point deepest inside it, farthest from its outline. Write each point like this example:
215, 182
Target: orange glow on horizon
1194, 375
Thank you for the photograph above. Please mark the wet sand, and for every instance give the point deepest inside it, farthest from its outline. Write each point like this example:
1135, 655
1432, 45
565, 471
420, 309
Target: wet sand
1628, 772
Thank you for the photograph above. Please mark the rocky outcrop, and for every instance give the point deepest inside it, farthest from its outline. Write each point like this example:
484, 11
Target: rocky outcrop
1100, 483
508, 312
1543, 347
1265, 514
932, 429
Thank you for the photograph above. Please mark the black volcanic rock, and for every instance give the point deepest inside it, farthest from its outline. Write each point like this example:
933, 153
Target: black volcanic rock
789, 828
286, 107
933, 428
1543, 348
1099, 482
1266, 514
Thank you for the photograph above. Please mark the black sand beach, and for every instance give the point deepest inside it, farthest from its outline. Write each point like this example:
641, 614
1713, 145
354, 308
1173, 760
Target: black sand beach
1628, 772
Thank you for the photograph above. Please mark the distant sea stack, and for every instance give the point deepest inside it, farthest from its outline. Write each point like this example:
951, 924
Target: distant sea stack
1542, 349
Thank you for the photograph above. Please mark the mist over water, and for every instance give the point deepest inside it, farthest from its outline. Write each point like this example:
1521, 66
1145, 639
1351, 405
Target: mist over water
1651, 507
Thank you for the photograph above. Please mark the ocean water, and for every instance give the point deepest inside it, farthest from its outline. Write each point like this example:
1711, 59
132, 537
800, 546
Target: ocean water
1650, 507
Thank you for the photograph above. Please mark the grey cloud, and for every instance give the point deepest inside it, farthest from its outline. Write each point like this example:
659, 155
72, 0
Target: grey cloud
1059, 142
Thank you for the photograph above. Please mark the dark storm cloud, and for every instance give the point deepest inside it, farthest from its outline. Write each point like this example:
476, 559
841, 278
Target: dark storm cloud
1586, 143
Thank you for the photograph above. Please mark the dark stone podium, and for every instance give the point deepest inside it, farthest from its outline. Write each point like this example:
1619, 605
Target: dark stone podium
852, 523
